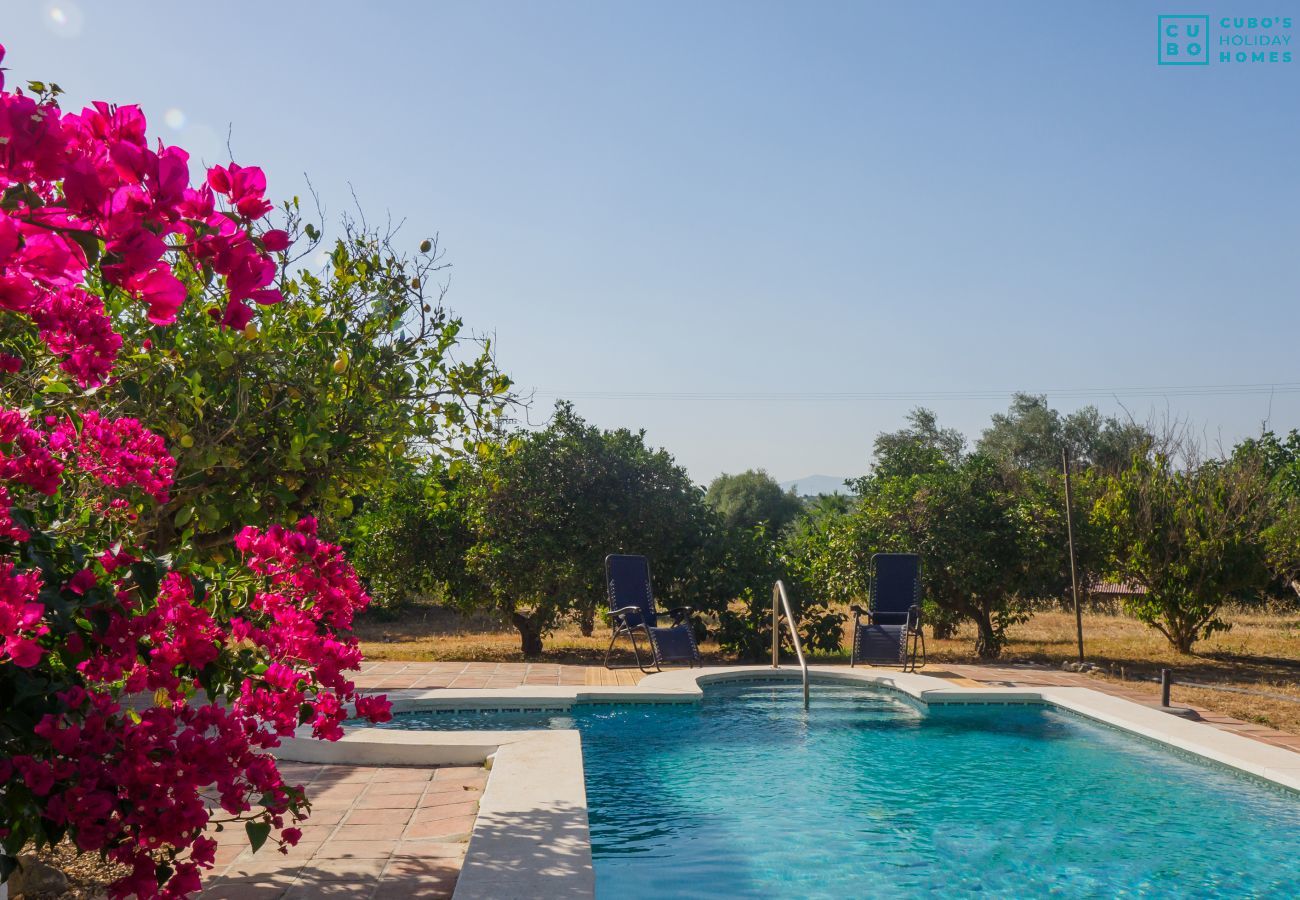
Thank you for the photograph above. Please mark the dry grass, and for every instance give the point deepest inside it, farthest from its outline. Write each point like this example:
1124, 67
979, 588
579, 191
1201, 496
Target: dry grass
433, 634
1260, 653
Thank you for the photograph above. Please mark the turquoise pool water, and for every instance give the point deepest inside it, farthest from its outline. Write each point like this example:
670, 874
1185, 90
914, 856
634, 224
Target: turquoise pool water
748, 795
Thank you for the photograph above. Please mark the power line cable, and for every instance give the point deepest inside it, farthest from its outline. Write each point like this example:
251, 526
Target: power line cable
1204, 390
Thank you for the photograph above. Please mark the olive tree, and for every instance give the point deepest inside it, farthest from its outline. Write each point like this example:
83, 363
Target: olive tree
1030, 435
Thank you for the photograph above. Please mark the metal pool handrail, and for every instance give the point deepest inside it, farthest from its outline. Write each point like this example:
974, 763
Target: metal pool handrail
779, 599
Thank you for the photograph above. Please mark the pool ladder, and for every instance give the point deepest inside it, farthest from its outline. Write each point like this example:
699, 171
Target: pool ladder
782, 602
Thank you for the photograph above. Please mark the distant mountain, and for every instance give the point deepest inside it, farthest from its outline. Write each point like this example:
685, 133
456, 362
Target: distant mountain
816, 484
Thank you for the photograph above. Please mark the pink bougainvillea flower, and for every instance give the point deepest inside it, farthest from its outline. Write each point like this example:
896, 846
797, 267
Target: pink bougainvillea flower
275, 240
129, 783
23, 652
82, 581
51, 259
161, 290
74, 325
117, 452
238, 315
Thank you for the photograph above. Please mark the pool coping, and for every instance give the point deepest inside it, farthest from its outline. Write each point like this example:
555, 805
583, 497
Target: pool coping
531, 837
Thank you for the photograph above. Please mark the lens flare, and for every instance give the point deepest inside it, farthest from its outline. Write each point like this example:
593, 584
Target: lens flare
64, 18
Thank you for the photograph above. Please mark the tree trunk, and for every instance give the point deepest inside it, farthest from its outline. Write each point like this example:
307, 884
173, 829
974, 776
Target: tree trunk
1183, 640
587, 618
986, 640
530, 635
943, 629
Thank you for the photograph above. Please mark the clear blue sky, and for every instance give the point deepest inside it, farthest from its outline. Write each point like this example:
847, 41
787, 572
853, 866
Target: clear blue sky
755, 199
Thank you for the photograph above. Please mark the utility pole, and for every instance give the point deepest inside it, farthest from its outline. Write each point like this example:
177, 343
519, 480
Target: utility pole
1069, 531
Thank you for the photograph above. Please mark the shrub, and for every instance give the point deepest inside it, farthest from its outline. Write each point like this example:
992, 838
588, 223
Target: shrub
217, 664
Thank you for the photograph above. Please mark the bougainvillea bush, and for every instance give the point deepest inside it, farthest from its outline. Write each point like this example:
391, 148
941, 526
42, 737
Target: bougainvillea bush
139, 695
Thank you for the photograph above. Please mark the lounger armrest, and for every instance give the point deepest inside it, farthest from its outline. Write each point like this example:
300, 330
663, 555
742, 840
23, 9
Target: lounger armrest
914, 618
858, 611
681, 614
618, 613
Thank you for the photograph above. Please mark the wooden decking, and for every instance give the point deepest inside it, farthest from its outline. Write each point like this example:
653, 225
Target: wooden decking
602, 677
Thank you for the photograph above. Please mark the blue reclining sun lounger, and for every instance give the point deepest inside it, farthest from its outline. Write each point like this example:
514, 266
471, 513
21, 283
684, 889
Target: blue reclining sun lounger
891, 634
632, 614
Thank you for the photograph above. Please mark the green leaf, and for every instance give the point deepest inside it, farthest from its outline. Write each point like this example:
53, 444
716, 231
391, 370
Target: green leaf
147, 576
88, 242
257, 833
183, 516
56, 387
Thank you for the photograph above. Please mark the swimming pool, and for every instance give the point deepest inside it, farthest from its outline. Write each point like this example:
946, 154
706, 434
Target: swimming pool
747, 795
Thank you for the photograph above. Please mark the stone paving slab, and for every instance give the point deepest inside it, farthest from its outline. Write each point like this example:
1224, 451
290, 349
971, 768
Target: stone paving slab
374, 832
391, 675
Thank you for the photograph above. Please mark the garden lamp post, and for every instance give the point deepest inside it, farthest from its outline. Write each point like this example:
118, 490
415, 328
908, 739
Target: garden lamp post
1069, 531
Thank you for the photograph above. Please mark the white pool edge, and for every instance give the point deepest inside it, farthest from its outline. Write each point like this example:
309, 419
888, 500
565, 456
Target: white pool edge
531, 837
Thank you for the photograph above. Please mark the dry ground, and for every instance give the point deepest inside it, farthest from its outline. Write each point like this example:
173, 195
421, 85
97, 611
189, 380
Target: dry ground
1261, 653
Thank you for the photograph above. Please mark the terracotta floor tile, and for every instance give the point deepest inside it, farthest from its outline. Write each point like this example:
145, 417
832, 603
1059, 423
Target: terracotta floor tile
422, 868
300, 851
369, 831
324, 816
447, 811
430, 849
329, 803
474, 782
448, 772
318, 890
358, 870
441, 828
442, 798
298, 773
396, 787
227, 853
312, 834
324, 793
357, 850
345, 775
405, 800
378, 817
402, 888
396, 776
264, 869
243, 890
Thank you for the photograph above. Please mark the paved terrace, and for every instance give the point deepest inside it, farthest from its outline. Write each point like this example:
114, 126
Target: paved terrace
402, 832
391, 676
373, 833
